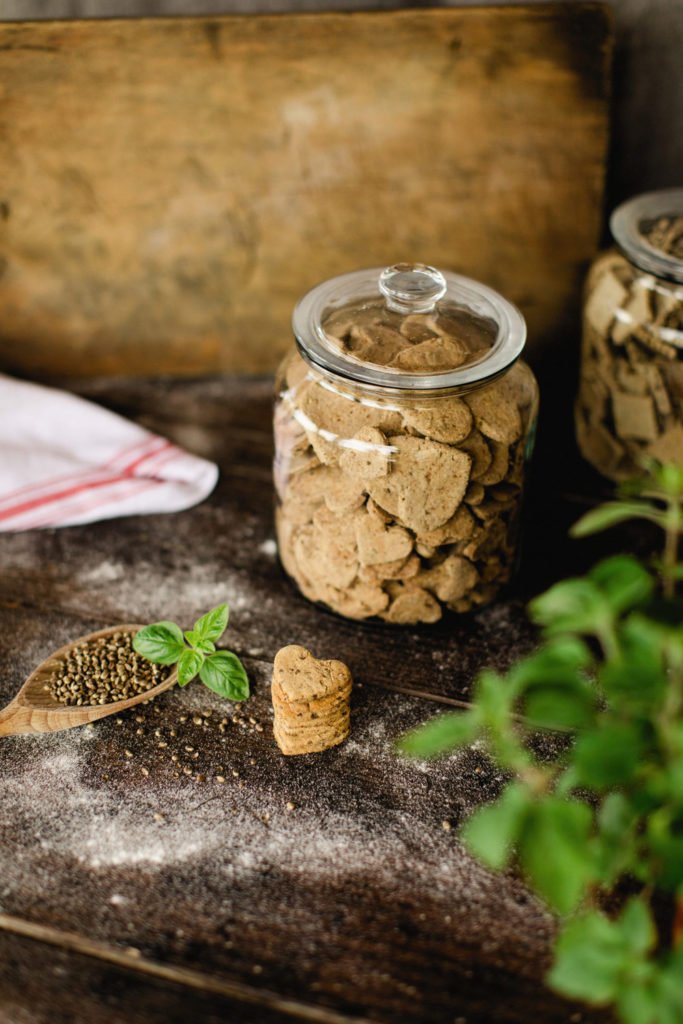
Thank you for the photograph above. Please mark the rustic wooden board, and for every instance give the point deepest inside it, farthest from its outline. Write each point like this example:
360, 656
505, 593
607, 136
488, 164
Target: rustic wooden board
356, 904
171, 187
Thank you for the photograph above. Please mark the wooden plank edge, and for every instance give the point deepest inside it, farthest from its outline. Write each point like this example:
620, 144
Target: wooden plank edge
542, 10
184, 976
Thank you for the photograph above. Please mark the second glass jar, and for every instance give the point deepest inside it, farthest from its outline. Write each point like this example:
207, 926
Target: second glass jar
403, 425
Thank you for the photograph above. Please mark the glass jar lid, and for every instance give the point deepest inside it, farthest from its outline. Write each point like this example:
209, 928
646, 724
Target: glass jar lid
409, 327
649, 231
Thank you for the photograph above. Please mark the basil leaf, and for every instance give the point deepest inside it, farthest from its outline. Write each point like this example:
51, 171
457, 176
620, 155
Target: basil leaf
609, 755
224, 673
441, 735
162, 642
194, 639
589, 959
612, 513
492, 830
189, 666
571, 606
212, 625
554, 853
624, 582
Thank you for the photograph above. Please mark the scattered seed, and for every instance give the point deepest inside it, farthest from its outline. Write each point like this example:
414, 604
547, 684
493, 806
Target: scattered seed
220, 778
128, 753
446, 826
145, 771
290, 805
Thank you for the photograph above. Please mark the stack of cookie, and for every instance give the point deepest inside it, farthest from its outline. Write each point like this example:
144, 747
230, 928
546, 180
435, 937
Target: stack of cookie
310, 701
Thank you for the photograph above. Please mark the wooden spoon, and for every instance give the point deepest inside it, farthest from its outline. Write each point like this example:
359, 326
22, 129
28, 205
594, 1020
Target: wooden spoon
34, 709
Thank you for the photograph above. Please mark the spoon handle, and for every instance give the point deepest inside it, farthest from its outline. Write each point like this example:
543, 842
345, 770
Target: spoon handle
14, 720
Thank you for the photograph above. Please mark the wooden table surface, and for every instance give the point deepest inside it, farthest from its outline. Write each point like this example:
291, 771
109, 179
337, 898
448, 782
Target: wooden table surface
324, 888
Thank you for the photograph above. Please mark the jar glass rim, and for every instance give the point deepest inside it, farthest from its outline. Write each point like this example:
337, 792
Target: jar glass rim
626, 227
320, 351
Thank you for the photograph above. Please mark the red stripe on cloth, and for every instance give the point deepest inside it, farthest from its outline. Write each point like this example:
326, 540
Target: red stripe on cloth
80, 475
127, 471
62, 517
57, 516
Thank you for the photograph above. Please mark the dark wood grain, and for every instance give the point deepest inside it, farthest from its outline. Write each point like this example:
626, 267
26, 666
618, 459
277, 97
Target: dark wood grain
313, 888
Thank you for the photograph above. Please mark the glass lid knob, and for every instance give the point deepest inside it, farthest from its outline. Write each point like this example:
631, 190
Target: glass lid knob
412, 287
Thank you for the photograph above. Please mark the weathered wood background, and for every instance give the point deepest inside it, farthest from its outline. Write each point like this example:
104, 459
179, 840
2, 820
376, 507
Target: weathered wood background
646, 150
171, 187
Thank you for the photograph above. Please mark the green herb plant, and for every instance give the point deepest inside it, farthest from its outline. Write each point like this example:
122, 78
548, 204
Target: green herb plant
195, 653
604, 816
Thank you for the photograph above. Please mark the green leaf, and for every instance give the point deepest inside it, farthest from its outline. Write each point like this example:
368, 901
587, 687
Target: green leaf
636, 925
212, 625
624, 582
674, 572
162, 643
494, 697
637, 1003
637, 679
553, 851
572, 606
188, 666
615, 847
441, 735
571, 706
194, 639
556, 693
611, 514
589, 959
560, 659
669, 476
224, 673
608, 756
492, 830
664, 832
668, 988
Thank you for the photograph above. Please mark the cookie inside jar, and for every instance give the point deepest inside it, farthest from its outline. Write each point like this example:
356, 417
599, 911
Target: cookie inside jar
630, 402
399, 473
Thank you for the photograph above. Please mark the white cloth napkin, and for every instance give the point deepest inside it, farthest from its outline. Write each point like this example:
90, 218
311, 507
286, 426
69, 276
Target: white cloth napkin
64, 461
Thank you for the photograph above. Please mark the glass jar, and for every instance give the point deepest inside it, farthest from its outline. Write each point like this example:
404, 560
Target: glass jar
403, 424
630, 400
